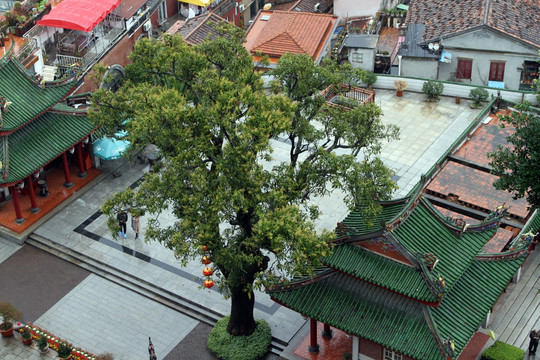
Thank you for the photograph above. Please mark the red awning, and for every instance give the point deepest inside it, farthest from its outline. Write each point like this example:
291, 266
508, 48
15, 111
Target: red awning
81, 15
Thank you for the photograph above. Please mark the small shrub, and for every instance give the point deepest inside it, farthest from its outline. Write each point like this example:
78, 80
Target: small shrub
478, 96
64, 350
42, 342
8, 314
369, 78
433, 90
346, 356
228, 347
502, 351
400, 85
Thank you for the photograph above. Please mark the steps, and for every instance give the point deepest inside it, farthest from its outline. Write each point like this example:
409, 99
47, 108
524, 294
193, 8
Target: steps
49, 72
133, 283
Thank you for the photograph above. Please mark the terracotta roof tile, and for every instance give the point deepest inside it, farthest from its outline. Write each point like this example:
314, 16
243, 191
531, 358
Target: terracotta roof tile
289, 31
303, 5
198, 29
517, 18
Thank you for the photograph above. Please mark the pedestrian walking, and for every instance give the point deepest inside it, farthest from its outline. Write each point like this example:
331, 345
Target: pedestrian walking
533, 344
135, 225
122, 218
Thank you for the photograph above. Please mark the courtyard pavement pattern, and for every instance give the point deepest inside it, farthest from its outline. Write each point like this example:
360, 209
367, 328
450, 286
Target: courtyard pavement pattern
102, 316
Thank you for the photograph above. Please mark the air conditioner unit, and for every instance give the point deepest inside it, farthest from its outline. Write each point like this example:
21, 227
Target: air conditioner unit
147, 26
241, 7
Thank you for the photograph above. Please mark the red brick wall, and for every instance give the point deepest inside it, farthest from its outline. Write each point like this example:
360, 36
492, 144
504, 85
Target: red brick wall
371, 349
172, 7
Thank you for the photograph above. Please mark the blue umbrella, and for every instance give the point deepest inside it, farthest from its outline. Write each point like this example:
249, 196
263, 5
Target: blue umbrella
110, 148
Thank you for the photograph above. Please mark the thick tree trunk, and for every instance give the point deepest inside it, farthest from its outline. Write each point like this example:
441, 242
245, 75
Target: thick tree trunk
242, 321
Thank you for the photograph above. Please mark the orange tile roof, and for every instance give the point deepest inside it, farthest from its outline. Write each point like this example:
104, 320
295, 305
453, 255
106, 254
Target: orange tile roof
290, 31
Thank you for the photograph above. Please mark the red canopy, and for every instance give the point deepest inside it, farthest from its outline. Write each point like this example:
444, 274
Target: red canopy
81, 15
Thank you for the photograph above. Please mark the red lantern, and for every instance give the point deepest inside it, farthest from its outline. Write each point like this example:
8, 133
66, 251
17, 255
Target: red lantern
207, 271
208, 283
206, 260
203, 247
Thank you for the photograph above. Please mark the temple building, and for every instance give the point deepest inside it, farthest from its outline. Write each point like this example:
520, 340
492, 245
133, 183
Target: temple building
38, 133
418, 281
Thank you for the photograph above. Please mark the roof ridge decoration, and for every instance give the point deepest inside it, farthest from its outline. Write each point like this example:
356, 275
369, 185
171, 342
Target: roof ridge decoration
323, 274
519, 248
425, 263
446, 347
459, 226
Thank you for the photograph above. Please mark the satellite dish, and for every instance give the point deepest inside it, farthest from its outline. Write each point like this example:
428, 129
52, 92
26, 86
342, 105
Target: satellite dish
436, 46
430, 46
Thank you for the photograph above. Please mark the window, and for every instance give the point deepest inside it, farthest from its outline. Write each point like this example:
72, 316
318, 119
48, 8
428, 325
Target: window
390, 355
357, 57
496, 71
464, 68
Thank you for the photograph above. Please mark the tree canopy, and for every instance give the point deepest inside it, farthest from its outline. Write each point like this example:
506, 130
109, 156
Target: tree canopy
518, 165
206, 109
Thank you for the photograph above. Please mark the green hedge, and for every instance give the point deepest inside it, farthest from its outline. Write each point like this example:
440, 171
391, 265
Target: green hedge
502, 351
228, 347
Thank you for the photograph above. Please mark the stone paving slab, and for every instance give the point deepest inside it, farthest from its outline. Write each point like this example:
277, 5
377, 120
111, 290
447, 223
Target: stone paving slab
101, 317
33, 280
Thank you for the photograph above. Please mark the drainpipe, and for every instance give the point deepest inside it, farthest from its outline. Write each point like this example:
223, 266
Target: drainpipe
399, 64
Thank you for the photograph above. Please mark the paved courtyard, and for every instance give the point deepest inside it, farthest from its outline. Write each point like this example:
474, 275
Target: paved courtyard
103, 313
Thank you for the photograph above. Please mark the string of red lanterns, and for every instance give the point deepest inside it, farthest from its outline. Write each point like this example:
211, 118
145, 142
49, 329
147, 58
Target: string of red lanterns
207, 271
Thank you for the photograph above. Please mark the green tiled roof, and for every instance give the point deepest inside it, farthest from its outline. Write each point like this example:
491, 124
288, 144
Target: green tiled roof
465, 307
359, 308
41, 141
397, 322
424, 231
389, 210
27, 97
380, 271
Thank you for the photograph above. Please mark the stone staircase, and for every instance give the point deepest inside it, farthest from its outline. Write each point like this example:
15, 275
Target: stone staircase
136, 284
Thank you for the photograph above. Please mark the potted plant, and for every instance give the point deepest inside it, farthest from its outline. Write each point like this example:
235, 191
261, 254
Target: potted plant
8, 313
400, 85
478, 96
26, 335
64, 350
433, 90
42, 344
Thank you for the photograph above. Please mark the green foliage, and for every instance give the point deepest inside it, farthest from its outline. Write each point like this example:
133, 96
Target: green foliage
8, 314
517, 166
25, 333
219, 179
369, 78
64, 350
228, 347
478, 96
502, 351
42, 342
346, 356
433, 90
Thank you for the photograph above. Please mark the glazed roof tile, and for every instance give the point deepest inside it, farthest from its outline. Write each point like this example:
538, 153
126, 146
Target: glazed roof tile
397, 322
289, 31
365, 310
380, 271
360, 225
40, 142
425, 231
519, 19
28, 99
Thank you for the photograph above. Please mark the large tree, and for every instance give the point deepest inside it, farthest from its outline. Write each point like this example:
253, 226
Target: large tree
518, 164
206, 110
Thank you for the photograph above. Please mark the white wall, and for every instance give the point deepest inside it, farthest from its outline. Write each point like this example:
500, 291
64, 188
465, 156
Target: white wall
367, 56
415, 85
355, 8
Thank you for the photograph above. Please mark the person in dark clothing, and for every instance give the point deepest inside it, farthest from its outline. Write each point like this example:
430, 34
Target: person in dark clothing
533, 344
122, 218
